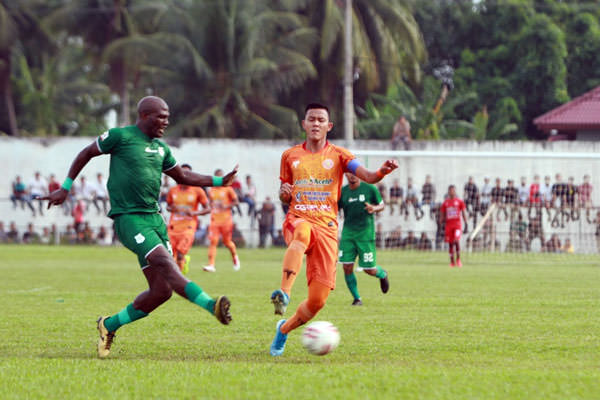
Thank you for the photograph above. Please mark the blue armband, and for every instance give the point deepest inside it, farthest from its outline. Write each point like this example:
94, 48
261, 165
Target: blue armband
353, 165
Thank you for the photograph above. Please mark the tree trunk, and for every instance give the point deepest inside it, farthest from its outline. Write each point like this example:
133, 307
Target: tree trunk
6, 90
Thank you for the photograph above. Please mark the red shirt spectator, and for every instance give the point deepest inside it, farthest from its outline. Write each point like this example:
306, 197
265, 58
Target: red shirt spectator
585, 192
534, 191
53, 184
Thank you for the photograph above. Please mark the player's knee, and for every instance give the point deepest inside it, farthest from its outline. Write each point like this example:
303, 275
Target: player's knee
314, 305
162, 293
348, 268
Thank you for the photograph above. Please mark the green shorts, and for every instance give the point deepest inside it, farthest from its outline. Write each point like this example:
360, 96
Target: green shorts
142, 233
365, 250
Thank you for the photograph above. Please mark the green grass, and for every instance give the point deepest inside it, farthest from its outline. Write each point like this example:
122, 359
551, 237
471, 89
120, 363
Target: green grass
499, 328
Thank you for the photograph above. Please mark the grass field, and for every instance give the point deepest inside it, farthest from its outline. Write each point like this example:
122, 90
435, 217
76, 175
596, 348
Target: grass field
495, 329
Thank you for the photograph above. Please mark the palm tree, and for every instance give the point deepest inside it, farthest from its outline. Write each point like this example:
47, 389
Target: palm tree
222, 64
8, 38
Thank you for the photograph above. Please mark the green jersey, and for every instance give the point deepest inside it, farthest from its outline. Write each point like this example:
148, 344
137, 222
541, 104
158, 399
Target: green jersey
358, 223
136, 164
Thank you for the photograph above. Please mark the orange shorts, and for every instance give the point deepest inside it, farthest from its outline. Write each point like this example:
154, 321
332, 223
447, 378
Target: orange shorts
181, 240
321, 253
216, 231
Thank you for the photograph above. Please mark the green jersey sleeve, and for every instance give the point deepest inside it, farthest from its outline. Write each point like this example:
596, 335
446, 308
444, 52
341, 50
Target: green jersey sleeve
169, 161
108, 140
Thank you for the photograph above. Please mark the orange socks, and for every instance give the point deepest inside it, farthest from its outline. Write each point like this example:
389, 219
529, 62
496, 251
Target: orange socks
317, 296
292, 260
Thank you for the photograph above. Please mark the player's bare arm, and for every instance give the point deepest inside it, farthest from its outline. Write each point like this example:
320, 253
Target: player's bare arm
59, 195
285, 193
374, 208
184, 176
375, 176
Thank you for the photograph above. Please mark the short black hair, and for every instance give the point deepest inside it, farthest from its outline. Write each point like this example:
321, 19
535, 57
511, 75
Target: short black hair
451, 187
316, 106
186, 166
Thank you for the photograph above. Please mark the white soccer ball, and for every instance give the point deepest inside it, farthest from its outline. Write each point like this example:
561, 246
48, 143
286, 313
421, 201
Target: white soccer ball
320, 338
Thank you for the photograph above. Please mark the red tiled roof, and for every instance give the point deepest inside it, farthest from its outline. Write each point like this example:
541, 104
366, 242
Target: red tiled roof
581, 113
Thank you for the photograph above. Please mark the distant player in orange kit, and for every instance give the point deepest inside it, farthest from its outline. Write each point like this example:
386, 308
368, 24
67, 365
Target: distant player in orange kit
222, 200
311, 176
182, 202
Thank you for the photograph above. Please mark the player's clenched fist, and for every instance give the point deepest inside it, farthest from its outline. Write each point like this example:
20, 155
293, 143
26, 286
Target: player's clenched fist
228, 179
285, 192
388, 166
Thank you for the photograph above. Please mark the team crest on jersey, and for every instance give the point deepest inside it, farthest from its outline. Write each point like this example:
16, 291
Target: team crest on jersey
361, 197
327, 163
298, 196
104, 136
161, 151
296, 163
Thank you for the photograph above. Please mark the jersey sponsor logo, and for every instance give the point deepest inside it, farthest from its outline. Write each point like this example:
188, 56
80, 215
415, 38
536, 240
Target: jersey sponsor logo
352, 199
139, 238
296, 163
149, 150
327, 163
312, 207
104, 136
313, 182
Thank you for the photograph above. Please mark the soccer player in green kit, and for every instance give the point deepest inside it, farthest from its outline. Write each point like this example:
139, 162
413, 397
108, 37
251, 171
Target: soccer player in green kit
138, 159
359, 201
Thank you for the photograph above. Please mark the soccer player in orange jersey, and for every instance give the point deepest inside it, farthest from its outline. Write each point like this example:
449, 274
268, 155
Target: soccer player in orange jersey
182, 202
222, 200
311, 177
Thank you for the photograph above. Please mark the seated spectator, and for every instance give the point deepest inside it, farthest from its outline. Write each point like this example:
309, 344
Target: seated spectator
237, 237
428, 194
394, 240
401, 134
571, 193
485, 196
412, 199
53, 184
567, 247
21, 195
103, 238
77, 214
379, 236
410, 242
279, 240
534, 192
396, 196
87, 233
100, 194
13, 234
69, 236
585, 193
553, 245
424, 243
38, 188
30, 236
3, 235
237, 188
559, 190
46, 236
471, 196
84, 191
523, 192
382, 191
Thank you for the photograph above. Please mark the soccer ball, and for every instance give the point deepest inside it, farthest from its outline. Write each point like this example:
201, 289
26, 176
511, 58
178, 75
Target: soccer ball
320, 338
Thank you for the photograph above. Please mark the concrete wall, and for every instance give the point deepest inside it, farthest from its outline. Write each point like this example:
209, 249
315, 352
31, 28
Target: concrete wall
261, 160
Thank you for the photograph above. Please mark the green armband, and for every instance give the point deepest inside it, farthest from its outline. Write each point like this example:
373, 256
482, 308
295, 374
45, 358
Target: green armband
217, 181
67, 184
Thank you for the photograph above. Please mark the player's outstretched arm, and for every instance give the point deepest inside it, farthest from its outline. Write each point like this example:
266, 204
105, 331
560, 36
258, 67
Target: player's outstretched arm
190, 178
59, 195
375, 176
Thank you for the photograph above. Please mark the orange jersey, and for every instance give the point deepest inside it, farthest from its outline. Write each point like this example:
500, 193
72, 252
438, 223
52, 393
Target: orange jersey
185, 200
316, 180
220, 199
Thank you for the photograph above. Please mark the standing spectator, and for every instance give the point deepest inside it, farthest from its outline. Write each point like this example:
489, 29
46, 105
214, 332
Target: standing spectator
266, 221
424, 243
87, 233
546, 195
279, 241
536, 227
485, 196
571, 200
428, 193
511, 197
471, 196
77, 213
250, 197
396, 196
13, 233
534, 192
103, 238
401, 134
45, 237
497, 197
30, 236
20, 194
237, 188
38, 187
585, 193
84, 191
412, 199
523, 192
100, 194
3, 234
559, 189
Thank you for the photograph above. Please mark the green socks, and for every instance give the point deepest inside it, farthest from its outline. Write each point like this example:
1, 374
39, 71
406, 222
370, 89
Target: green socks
125, 316
352, 285
195, 294
380, 273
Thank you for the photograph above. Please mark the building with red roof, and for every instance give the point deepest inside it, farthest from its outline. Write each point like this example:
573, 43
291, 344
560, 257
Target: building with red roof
578, 119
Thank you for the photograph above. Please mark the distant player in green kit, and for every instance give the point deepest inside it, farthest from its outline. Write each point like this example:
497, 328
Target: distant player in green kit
138, 159
359, 201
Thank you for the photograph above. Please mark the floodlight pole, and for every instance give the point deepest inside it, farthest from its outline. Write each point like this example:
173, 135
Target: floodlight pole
348, 76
